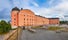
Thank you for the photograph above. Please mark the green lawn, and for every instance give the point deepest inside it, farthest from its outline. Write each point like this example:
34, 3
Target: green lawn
54, 28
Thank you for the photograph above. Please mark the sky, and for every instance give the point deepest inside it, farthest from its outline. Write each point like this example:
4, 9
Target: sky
47, 8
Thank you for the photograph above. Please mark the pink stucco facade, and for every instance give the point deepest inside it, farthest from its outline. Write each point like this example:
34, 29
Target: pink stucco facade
26, 17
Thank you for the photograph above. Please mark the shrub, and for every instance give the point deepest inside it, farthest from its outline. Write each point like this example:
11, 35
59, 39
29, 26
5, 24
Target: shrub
54, 28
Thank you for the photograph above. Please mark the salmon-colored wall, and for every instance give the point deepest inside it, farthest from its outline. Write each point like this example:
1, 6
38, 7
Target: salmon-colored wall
53, 21
41, 20
46, 21
26, 17
14, 18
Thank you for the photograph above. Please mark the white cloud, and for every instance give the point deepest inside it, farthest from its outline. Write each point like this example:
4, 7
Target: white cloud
50, 2
35, 4
62, 9
58, 10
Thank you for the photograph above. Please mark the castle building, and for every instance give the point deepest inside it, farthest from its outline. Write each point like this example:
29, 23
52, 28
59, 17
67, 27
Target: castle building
25, 17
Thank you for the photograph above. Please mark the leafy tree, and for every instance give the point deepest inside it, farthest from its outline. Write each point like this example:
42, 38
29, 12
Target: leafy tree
63, 22
4, 26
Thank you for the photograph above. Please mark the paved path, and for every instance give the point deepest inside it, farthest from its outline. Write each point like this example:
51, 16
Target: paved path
1, 37
43, 35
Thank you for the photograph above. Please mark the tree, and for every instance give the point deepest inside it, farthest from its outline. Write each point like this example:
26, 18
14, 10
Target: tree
63, 22
4, 26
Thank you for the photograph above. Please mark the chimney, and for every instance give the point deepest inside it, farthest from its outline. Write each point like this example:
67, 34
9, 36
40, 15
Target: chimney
21, 8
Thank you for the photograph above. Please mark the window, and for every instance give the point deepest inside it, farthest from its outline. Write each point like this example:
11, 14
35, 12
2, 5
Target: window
14, 19
24, 24
24, 18
24, 21
27, 15
30, 19
27, 19
24, 15
14, 24
14, 15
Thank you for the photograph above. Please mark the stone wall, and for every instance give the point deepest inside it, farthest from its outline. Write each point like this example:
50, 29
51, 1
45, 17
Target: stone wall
13, 35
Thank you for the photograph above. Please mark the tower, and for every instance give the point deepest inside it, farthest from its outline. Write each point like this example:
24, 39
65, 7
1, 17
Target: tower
14, 17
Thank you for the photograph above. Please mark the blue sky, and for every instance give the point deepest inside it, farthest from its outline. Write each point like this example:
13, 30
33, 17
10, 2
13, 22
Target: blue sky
47, 8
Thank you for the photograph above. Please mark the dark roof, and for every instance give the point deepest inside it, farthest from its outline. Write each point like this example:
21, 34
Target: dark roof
53, 18
16, 9
40, 16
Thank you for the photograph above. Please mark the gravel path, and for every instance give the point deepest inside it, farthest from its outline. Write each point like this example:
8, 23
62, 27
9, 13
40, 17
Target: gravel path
43, 35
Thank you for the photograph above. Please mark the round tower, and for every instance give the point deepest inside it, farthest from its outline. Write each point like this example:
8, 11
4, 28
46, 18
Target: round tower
14, 17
